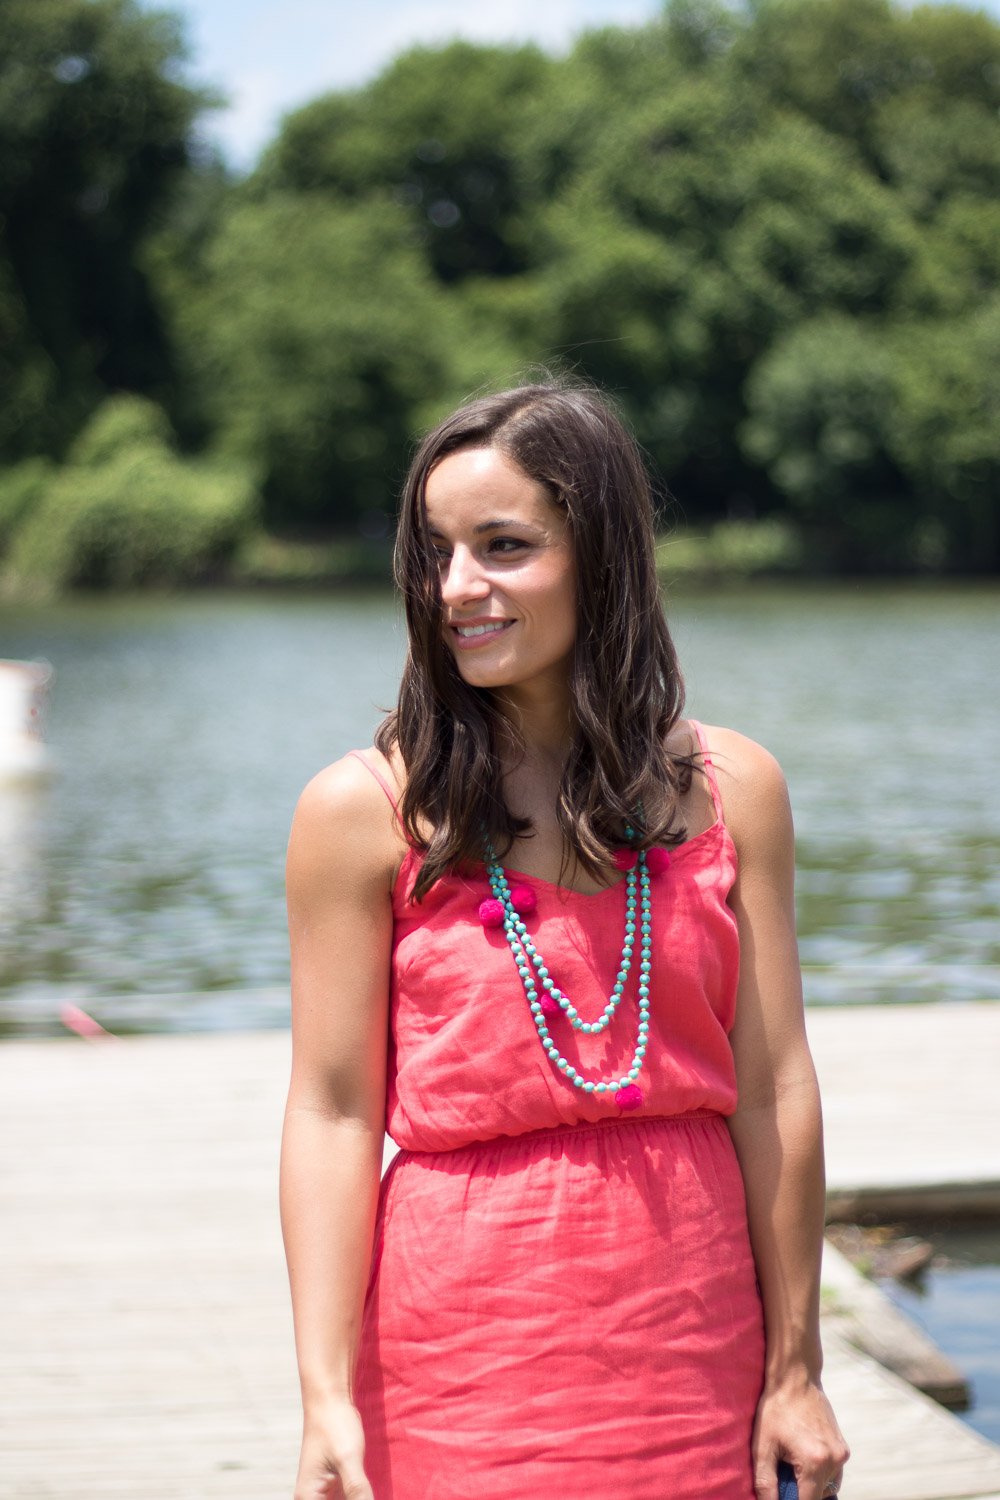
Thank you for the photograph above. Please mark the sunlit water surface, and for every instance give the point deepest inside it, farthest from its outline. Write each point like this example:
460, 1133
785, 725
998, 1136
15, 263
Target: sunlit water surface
958, 1304
184, 729
145, 881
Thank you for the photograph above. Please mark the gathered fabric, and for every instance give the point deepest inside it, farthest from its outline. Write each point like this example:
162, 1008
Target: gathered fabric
562, 1294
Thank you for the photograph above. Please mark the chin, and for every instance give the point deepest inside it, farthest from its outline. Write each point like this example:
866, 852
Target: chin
484, 674
484, 677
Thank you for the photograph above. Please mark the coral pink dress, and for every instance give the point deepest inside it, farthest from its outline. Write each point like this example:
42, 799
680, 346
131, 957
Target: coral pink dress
562, 1299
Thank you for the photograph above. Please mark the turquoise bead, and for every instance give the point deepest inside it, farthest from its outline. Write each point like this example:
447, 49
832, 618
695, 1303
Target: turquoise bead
525, 954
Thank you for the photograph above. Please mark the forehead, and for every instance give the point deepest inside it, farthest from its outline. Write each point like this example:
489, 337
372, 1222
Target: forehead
480, 484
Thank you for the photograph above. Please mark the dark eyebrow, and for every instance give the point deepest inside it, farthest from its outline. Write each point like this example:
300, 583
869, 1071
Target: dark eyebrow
488, 526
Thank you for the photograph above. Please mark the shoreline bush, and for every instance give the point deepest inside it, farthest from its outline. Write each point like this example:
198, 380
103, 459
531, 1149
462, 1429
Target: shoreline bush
126, 511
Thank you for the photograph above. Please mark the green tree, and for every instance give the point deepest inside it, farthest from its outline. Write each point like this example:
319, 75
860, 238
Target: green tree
95, 134
318, 341
124, 510
840, 62
440, 133
821, 405
946, 433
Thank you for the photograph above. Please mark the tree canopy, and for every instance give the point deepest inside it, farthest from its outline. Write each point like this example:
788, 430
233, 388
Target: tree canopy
773, 232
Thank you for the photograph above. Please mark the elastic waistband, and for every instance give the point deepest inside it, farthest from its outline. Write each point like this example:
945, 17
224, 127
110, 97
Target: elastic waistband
554, 1132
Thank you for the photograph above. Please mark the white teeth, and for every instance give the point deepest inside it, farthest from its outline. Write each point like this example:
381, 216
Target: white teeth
480, 629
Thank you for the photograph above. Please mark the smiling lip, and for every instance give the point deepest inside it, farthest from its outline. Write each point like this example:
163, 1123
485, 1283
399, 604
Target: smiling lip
486, 630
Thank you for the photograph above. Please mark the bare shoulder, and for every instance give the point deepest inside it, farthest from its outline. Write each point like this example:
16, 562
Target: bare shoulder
752, 786
345, 828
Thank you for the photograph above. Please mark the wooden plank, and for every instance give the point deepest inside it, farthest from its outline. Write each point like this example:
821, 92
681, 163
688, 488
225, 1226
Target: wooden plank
872, 1323
903, 1445
145, 1347
910, 1105
146, 1334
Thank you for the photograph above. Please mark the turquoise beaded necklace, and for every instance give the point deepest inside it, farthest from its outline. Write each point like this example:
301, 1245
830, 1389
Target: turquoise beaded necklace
552, 1000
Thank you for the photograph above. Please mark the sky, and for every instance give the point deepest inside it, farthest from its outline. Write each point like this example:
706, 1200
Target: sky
269, 56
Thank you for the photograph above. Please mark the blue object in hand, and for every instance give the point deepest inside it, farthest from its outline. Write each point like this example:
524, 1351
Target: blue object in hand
788, 1488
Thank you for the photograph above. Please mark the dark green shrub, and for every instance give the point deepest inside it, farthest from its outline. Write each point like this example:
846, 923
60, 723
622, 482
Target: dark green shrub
21, 488
128, 511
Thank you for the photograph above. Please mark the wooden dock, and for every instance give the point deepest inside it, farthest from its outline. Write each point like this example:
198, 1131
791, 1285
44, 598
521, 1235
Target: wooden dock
146, 1345
911, 1108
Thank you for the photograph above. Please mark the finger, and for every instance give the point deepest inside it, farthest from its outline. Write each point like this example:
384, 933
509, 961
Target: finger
353, 1481
815, 1488
821, 1489
765, 1480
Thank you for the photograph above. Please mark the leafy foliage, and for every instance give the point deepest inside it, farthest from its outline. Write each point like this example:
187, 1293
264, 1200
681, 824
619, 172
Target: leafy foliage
315, 382
773, 232
94, 134
125, 510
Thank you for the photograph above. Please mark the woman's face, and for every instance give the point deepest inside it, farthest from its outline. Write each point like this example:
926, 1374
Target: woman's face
508, 576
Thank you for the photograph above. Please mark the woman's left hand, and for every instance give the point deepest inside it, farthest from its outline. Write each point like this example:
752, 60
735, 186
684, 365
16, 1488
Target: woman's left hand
795, 1422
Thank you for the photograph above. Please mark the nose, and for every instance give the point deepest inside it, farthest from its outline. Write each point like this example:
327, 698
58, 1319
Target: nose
463, 581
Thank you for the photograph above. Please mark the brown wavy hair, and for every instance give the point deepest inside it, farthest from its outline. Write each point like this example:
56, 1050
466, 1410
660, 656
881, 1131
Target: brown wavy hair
627, 690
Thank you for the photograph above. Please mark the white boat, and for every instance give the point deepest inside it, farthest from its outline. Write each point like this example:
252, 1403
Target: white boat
24, 697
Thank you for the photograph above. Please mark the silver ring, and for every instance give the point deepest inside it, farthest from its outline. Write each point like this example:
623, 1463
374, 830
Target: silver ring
832, 1486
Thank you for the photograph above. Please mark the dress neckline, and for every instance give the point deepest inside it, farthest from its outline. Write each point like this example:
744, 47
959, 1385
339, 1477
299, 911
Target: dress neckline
414, 856
674, 850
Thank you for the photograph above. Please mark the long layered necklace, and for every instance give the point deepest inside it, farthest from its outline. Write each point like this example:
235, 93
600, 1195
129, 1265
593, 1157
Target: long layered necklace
547, 1001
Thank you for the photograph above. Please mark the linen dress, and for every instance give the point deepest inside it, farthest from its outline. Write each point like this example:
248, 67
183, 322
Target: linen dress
562, 1299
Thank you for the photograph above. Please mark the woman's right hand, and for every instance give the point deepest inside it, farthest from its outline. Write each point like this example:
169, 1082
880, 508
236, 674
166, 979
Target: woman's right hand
331, 1466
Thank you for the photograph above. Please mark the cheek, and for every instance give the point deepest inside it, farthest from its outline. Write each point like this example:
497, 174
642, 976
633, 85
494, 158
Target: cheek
559, 608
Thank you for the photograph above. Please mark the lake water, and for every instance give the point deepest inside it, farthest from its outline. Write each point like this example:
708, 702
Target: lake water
958, 1304
146, 881
184, 729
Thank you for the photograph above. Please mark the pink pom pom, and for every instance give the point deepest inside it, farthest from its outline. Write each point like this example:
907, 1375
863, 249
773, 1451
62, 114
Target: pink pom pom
523, 899
549, 1006
630, 1097
491, 912
657, 860
625, 859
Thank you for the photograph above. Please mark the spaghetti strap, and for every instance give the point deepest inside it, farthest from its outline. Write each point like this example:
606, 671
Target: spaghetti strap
379, 778
709, 768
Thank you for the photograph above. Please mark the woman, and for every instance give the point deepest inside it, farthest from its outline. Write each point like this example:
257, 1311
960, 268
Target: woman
593, 1267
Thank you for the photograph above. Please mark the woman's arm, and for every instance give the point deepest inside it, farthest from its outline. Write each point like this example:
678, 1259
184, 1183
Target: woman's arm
777, 1128
341, 861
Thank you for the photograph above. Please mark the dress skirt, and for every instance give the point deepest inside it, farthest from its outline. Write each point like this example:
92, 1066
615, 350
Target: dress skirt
570, 1312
